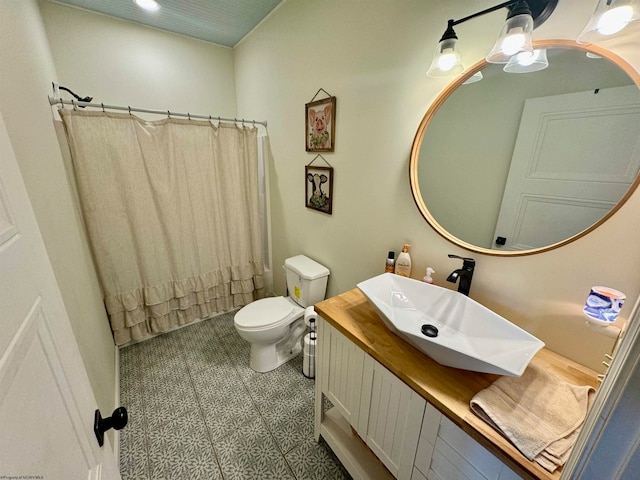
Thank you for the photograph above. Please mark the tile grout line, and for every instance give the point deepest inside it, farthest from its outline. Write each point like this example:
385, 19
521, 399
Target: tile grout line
202, 416
273, 437
143, 408
266, 424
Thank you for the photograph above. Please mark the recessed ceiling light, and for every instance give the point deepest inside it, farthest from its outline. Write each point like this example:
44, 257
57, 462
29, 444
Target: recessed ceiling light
150, 5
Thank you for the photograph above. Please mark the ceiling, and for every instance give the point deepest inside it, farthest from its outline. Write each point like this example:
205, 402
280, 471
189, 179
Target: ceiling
224, 22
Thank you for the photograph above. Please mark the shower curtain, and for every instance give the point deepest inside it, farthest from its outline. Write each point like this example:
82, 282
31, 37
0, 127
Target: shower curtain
171, 210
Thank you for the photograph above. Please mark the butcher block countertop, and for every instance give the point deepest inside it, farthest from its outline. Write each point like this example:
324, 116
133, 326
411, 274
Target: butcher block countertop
448, 389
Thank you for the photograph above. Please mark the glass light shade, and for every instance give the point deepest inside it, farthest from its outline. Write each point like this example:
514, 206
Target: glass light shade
609, 18
446, 60
476, 77
527, 62
514, 37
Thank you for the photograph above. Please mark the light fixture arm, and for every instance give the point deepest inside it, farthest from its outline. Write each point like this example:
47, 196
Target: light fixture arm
541, 10
453, 23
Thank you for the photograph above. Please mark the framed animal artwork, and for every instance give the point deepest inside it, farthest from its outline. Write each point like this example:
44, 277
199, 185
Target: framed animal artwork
320, 125
319, 188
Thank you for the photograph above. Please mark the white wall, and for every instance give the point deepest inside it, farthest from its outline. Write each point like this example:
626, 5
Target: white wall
372, 57
26, 75
123, 63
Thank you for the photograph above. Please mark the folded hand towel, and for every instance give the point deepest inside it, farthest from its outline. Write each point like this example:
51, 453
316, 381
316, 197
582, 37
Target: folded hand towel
538, 412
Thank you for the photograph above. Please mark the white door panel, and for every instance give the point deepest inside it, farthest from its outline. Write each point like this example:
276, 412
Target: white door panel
46, 403
31, 373
575, 157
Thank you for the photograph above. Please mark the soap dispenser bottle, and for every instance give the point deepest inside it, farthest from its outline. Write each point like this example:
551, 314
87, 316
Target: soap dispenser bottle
403, 264
428, 278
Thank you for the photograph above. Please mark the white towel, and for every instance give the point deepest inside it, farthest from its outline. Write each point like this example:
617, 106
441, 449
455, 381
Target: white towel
539, 413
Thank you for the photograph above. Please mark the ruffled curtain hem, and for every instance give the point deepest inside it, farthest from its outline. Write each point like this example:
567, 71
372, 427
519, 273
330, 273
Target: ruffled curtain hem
140, 313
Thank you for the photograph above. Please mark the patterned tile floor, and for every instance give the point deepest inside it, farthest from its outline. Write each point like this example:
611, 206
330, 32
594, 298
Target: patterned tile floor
197, 411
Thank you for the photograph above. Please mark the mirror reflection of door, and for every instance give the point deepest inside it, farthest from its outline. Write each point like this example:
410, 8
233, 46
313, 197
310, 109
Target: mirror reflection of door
571, 164
463, 149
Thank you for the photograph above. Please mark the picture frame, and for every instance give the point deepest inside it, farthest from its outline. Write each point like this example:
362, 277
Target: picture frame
320, 125
319, 188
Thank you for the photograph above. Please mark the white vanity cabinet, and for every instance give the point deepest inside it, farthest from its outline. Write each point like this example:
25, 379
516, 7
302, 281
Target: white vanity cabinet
377, 421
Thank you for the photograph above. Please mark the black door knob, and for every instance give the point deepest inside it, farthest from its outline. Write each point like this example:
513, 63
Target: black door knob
118, 420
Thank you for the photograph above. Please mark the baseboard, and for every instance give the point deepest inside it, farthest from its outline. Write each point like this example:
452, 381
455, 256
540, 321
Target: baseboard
177, 327
116, 433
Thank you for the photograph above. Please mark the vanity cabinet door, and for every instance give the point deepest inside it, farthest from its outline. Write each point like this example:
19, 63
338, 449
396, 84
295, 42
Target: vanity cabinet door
394, 418
427, 441
341, 372
446, 452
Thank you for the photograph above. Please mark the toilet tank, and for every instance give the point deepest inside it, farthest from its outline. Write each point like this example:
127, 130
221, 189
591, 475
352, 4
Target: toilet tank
306, 280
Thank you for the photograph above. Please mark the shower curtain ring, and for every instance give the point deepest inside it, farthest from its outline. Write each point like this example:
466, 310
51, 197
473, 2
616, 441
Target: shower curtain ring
103, 108
129, 109
243, 122
168, 114
189, 116
74, 105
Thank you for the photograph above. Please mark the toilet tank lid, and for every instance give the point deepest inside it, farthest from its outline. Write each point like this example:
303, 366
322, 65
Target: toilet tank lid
306, 268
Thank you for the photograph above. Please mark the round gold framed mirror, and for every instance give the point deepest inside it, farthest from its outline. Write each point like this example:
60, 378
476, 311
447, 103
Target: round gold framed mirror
521, 163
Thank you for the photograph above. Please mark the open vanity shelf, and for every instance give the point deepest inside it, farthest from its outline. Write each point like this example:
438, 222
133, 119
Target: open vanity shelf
398, 414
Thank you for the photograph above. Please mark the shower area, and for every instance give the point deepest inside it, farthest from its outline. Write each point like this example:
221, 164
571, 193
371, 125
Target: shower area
175, 212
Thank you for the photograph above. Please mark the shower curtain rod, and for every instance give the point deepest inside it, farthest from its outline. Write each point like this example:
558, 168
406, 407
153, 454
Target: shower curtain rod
75, 103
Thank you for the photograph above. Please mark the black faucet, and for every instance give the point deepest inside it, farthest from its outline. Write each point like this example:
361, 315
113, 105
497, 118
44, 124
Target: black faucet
465, 274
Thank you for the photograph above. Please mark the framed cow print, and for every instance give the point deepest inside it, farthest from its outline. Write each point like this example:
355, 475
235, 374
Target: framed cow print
319, 188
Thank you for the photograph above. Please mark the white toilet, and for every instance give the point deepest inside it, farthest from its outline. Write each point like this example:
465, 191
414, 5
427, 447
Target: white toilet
275, 326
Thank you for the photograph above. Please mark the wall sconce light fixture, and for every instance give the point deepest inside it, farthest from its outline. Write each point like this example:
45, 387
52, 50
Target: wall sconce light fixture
514, 37
513, 46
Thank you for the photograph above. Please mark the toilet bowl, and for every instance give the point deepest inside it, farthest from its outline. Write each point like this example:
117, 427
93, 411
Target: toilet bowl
274, 326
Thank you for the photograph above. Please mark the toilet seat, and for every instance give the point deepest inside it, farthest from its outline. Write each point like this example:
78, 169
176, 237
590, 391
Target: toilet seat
264, 314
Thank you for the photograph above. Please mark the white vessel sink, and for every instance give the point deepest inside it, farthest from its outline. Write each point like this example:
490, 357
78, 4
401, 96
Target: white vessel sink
469, 335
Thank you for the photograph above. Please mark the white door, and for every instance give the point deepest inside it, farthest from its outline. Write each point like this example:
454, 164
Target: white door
46, 402
575, 157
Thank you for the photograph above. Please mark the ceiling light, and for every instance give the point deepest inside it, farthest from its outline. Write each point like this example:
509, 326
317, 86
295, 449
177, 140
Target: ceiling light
150, 5
609, 18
